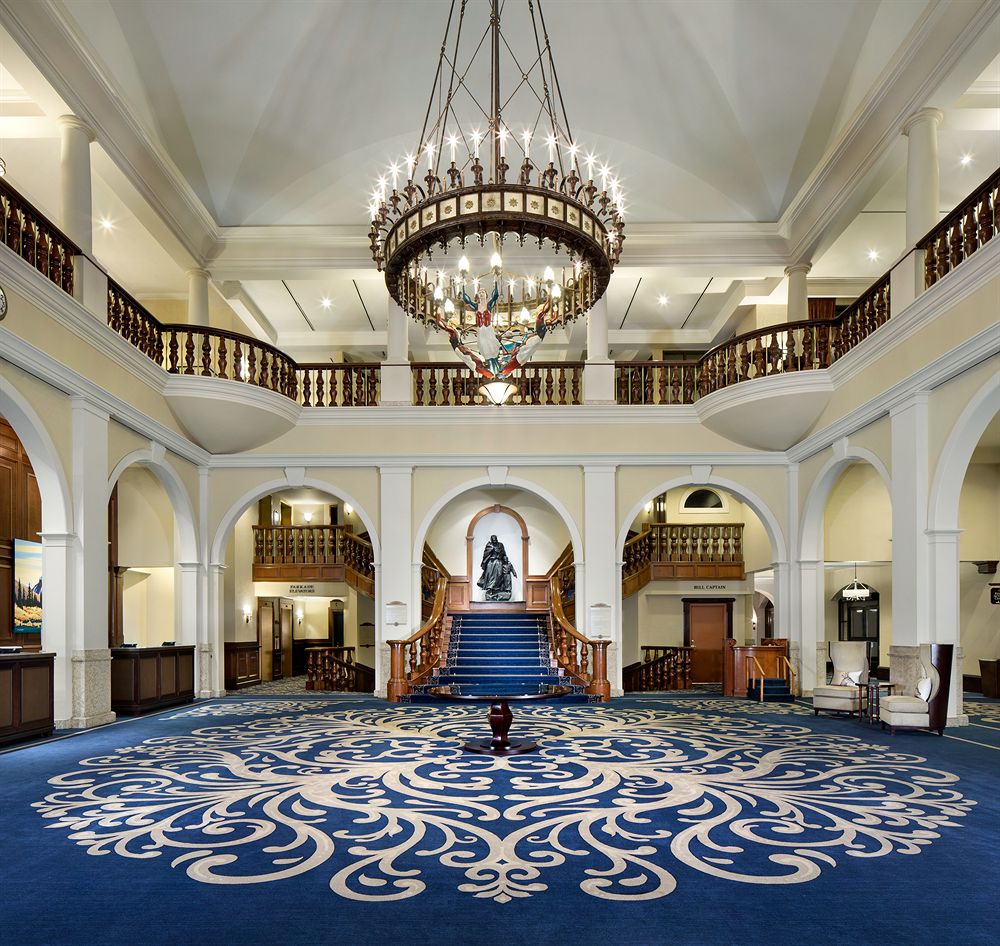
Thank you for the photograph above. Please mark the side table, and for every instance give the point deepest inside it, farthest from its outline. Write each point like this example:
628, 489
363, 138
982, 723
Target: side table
869, 695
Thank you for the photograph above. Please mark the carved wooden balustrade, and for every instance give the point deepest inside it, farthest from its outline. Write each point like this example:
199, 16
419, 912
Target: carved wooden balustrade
335, 668
778, 349
969, 227
412, 661
36, 239
661, 668
215, 353
580, 658
449, 384
665, 550
359, 562
298, 545
338, 385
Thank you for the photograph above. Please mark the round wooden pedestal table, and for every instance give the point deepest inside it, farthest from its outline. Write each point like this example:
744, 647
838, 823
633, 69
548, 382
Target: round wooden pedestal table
500, 717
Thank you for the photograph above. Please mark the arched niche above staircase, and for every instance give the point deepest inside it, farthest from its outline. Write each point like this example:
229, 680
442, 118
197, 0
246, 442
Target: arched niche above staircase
472, 556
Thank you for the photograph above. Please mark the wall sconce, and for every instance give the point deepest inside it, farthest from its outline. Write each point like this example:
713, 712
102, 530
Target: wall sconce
649, 507
308, 517
298, 615
348, 509
275, 517
246, 614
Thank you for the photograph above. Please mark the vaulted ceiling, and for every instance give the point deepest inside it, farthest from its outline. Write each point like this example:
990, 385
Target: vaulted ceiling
244, 135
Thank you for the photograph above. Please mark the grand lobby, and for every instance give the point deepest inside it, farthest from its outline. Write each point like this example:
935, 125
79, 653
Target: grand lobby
496, 471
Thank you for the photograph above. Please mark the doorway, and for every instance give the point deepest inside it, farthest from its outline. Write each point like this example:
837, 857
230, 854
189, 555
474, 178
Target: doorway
707, 624
335, 625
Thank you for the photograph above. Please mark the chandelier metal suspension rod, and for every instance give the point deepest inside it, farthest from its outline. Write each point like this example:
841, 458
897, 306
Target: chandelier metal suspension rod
495, 86
552, 67
553, 121
437, 75
451, 89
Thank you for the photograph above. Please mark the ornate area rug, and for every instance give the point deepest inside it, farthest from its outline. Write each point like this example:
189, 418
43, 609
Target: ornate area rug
631, 811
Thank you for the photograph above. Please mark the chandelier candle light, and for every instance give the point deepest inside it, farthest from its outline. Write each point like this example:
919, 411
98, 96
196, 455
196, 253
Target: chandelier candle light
492, 258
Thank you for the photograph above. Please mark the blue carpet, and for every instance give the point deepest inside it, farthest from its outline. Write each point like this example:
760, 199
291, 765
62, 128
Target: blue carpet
666, 819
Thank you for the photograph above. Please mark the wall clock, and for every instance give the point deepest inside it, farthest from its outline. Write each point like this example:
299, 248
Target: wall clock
3, 304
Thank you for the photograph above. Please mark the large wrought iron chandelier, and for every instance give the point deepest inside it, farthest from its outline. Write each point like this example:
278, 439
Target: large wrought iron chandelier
493, 229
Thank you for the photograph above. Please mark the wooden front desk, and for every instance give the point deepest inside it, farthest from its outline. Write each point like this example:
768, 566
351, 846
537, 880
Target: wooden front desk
149, 678
26, 696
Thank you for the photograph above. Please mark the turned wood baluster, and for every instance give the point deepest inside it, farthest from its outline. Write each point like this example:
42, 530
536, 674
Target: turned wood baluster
260, 379
943, 255
433, 386
985, 213
955, 243
189, 353
42, 256
549, 387
689, 383
27, 240
773, 354
575, 373
206, 355
930, 264
562, 385
971, 242
758, 358
418, 386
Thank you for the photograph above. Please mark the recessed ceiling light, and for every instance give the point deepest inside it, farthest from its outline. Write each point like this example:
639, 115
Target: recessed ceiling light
663, 300
107, 224
326, 302
965, 160
872, 255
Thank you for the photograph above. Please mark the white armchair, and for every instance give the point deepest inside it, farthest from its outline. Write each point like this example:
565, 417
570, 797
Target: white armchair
850, 667
921, 678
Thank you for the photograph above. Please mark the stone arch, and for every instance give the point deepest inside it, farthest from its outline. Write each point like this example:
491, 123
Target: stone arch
180, 502
510, 482
763, 511
228, 521
811, 534
953, 464
57, 510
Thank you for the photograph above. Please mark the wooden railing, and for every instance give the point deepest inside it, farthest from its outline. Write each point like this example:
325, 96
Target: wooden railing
413, 660
758, 678
334, 668
579, 657
969, 227
298, 545
659, 543
449, 384
36, 239
661, 668
318, 545
215, 353
778, 349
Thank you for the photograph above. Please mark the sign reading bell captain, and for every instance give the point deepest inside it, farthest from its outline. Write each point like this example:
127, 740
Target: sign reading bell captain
497, 554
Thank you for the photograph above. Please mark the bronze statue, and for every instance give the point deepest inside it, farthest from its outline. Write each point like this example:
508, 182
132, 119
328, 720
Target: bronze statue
497, 571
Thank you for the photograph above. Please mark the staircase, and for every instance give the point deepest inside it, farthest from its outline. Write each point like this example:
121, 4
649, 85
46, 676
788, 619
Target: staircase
776, 690
494, 652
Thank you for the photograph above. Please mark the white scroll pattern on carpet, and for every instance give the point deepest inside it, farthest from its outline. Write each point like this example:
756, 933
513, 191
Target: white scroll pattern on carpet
373, 794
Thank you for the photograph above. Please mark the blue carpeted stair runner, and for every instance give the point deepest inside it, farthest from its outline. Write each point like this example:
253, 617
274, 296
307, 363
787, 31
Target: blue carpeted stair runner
775, 690
499, 652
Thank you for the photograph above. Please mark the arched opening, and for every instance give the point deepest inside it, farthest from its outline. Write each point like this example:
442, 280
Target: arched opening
857, 564
298, 591
697, 572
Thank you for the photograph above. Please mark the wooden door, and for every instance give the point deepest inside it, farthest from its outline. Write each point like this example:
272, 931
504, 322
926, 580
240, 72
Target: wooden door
265, 636
283, 641
707, 624
335, 627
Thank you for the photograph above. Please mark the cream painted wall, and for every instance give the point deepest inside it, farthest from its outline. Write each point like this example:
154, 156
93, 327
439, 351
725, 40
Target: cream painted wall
858, 517
145, 520
243, 594
979, 513
980, 619
174, 311
879, 577
148, 606
547, 534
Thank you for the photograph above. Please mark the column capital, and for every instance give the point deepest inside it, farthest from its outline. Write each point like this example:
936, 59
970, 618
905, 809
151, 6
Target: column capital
197, 271
798, 268
923, 115
71, 121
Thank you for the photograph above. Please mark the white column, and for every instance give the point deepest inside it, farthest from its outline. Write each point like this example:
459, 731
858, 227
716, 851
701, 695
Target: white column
599, 591
598, 372
210, 643
943, 545
922, 173
394, 579
58, 563
911, 618
395, 385
91, 657
198, 296
812, 584
798, 292
77, 209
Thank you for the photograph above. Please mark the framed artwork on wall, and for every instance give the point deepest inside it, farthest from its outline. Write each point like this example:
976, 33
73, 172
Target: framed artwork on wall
27, 587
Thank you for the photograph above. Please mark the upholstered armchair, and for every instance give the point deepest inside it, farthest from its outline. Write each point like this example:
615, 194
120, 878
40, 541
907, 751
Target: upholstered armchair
850, 667
921, 679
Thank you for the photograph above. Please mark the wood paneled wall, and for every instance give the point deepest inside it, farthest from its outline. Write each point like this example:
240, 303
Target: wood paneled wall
20, 518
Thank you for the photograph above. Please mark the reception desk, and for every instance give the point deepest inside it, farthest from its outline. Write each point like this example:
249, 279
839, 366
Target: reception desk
737, 657
150, 678
26, 688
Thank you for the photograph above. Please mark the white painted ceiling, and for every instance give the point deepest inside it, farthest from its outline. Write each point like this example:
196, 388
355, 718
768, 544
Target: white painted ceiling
278, 115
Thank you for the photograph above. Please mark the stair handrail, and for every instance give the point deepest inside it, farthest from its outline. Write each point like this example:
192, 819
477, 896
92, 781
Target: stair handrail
571, 649
335, 669
790, 675
760, 679
414, 658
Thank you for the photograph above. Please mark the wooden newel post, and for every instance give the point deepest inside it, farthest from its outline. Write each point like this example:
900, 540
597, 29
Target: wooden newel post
599, 684
397, 687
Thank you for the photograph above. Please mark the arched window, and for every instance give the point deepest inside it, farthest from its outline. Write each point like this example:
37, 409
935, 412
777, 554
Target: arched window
701, 499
